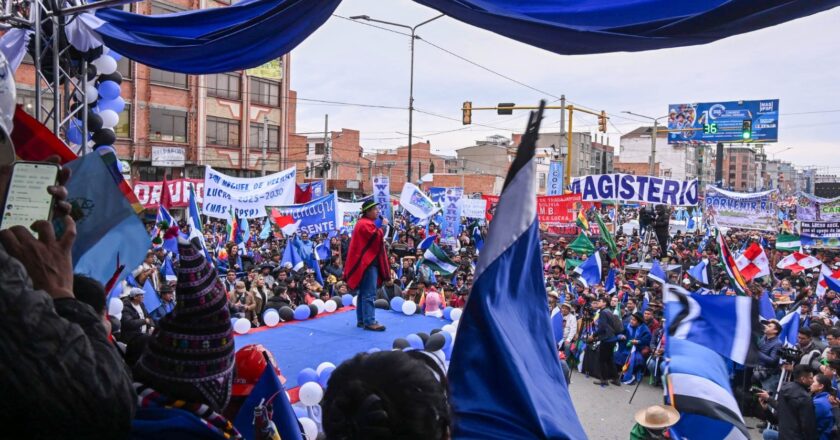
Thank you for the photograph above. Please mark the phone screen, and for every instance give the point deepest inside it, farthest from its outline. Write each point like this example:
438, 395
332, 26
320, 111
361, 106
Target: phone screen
27, 199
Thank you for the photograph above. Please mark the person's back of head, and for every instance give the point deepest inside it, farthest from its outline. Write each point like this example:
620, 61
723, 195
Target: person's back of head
90, 292
800, 371
387, 395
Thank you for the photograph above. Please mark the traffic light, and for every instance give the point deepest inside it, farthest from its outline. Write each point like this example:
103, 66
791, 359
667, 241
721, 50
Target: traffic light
746, 129
466, 119
602, 122
505, 108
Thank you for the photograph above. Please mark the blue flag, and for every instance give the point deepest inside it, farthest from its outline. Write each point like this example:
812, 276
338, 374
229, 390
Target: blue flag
292, 256
268, 388
426, 242
266, 230
151, 298
765, 307
167, 270
609, 284
509, 282
700, 273
479, 240
657, 273
557, 325
790, 328
590, 270
322, 251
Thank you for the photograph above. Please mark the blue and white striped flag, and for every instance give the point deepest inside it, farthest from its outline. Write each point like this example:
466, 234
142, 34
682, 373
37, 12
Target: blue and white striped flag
426, 242
700, 272
590, 270
790, 328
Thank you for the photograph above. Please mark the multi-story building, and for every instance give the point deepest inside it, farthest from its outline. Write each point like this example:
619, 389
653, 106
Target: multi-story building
338, 158
739, 169
676, 161
603, 157
393, 163
215, 120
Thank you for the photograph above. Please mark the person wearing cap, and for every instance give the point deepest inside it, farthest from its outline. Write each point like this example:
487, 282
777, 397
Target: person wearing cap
636, 334
652, 423
135, 318
167, 303
366, 265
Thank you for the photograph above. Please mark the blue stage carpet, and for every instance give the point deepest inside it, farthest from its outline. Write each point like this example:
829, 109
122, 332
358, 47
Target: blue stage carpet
333, 338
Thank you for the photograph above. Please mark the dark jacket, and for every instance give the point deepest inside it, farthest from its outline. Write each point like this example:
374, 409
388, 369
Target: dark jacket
603, 329
61, 376
276, 302
131, 322
769, 352
795, 413
334, 269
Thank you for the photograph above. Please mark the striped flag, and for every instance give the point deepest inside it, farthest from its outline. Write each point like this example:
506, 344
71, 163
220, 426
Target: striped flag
606, 236
581, 221
822, 284
428, 241
728, 261
788, 243
437, 260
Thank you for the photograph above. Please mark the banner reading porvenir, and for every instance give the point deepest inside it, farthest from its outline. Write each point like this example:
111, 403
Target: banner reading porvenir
556, 210
148, 193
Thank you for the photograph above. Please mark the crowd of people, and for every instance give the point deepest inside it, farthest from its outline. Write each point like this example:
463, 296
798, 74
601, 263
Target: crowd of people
100, 376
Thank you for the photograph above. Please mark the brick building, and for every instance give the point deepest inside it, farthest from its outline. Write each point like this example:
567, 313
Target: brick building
348, 170
393, 163
635, 168
739, 169
216, 119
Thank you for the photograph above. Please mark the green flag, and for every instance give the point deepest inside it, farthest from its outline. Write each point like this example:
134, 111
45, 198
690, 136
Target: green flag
571, 264
788, 242
438, 261
582, 245
606, 236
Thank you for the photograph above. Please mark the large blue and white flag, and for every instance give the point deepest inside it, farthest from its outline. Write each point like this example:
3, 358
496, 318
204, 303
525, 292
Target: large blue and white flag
700, 273
490, 345
697, 384
426, 242
765, 306
590, 270
609, 284
729, 325
657, 273
194, 221
790, 328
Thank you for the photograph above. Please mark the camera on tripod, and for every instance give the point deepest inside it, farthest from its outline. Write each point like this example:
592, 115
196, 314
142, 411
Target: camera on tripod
790, 355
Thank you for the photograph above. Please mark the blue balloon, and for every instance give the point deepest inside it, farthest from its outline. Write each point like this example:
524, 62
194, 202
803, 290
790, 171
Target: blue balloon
347, 299
109, 90
307, 375
415, 341
447, 313
448, 337
114, 55
324, 377
117, 104
302, 312
74, 133
299, 411
397, 303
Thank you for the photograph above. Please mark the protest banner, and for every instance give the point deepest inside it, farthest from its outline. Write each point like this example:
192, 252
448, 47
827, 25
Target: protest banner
630, 188
819, 229
247, 196
382, 196
473, 208
812, 208
491, 203
316, 217
148, 193
451, 215
555, 178
416, 202
557, 210
436, 193
742, 210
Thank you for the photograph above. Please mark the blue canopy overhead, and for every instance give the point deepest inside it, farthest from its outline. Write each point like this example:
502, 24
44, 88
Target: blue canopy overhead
253, 32
246, 34
577, 27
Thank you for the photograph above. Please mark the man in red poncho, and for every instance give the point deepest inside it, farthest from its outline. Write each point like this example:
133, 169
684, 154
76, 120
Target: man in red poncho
366, 267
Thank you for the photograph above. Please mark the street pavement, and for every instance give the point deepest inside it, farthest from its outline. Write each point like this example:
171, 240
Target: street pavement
605, 413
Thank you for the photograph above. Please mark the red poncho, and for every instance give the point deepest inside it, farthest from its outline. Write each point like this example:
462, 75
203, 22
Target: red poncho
366, 244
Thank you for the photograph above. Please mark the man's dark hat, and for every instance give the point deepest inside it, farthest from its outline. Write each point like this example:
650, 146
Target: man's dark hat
368, 205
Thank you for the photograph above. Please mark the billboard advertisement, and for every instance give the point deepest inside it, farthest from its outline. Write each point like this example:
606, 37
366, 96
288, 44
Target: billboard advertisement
713, 122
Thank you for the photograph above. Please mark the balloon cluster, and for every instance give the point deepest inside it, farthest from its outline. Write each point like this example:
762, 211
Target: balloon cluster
439, 340
312, 383
273, 317
104, 103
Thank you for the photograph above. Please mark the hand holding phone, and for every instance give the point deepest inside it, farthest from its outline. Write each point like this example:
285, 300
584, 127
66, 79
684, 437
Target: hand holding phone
27, 198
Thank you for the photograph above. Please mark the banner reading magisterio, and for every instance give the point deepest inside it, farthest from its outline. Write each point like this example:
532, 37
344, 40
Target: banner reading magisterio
630, 188
742, 210
812, 208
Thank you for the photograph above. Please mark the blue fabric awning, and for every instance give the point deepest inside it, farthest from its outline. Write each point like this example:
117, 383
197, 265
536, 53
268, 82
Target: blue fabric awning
253, 32
576, 27
247, 34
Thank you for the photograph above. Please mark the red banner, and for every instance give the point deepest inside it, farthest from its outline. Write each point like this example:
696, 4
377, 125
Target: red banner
492, 202
149, 192
556, 210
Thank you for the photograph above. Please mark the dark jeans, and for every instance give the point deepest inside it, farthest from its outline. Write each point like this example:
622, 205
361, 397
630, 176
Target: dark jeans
365, 310
605, 361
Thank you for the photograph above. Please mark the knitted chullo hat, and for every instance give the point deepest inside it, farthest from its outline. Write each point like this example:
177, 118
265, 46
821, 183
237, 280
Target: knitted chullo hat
191, 355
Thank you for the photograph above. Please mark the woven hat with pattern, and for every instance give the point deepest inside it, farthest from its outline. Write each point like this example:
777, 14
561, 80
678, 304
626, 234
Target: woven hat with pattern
191, 356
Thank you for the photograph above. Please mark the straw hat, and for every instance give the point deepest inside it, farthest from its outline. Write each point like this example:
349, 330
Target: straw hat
657, 416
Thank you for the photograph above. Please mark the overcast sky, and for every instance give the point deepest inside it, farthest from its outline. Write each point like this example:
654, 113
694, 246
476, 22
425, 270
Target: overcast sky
796, 62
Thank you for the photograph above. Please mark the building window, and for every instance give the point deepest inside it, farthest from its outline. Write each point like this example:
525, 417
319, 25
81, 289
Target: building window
265, 91
148, 173
26, 98
320, 148
167, 125
541, 180
124, 67
170, 79
222, 132
123, 128
257, 136
224, 85
159, 8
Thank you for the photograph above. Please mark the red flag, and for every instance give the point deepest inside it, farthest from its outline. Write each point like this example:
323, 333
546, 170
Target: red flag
34, 141
303, 195
165, 195
753, 263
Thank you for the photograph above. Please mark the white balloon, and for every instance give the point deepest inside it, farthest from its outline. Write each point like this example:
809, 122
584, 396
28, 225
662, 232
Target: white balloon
323, 366
330, 306
409, 307
110, 119
456, 314
355, 300
91, 94
320, 305
449, 328
115, 307
242, 326
105, 65
271, 317
311, 393
310, 429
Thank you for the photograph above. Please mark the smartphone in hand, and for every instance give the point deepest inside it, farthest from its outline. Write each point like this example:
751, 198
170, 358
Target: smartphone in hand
27, 200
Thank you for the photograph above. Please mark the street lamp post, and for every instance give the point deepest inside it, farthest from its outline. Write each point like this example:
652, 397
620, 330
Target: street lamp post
652, 160
413, 30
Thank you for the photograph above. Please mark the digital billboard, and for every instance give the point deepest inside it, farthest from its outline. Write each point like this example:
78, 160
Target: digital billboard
713, 122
